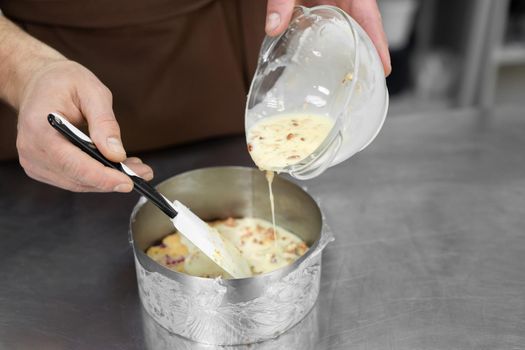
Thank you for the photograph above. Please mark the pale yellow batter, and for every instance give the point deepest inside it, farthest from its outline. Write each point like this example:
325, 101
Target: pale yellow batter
282, 140
253, 237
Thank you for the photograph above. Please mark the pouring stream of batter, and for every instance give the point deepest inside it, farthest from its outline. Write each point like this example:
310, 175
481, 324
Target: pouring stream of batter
269, 178
283, 140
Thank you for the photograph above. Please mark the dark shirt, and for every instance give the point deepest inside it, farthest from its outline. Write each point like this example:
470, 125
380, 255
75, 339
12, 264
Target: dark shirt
178, 69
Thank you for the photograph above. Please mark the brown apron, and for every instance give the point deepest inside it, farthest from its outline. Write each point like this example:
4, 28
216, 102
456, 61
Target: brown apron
178, 69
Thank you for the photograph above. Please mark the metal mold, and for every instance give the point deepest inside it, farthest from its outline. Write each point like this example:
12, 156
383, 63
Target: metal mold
237, 311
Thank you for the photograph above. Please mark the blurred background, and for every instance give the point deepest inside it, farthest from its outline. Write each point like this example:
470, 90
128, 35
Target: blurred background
455, 54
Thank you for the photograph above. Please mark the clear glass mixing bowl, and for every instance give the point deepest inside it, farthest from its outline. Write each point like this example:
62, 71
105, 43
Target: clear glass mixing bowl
323, 64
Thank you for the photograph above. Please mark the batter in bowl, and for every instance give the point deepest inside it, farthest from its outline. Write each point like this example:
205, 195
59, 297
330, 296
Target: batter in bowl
282, 140
254, 238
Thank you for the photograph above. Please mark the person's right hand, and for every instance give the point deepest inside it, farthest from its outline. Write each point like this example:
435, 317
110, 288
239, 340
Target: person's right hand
71, 90
365, 12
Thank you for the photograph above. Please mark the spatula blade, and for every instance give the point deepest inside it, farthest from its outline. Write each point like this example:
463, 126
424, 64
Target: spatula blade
210, 242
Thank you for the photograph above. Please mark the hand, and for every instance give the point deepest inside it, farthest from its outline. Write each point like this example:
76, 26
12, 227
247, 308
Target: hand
73, 91
365, 12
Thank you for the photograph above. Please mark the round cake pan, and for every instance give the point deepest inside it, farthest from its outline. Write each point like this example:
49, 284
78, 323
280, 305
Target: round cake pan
236, 311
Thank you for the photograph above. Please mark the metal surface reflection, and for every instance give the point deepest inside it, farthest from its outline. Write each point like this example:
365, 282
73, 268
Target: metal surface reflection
430, 240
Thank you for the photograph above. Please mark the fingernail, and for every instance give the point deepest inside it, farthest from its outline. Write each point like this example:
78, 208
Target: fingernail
148, 176
388, 70
115, 145
272, 21
134, 160
123, 188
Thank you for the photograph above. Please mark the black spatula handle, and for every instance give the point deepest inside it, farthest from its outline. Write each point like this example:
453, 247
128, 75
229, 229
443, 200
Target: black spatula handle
81, 140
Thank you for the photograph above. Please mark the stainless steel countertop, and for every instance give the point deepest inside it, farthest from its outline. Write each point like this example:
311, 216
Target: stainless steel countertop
429, 252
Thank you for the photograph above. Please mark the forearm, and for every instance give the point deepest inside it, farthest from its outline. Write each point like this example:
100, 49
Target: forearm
21, 56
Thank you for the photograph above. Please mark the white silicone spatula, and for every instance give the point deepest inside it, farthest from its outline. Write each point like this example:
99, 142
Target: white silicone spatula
204, 237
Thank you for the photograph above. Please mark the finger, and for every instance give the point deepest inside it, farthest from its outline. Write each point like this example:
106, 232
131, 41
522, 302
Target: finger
140, 169
95, 102
76, 166
278, 15
50, 178
367, 14
77, 171
39, 172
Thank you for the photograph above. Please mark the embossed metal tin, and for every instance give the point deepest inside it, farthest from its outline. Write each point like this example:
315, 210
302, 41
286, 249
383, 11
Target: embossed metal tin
237, 311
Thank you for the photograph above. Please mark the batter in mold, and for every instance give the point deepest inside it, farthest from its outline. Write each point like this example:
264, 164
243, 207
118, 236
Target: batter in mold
254, 238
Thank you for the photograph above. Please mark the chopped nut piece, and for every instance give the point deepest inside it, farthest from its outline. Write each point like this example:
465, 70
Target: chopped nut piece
290, 248
348, 77
247, 234
301, 249
269, 234
230, 222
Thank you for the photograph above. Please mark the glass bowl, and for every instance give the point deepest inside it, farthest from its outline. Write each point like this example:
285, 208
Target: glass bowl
323, 64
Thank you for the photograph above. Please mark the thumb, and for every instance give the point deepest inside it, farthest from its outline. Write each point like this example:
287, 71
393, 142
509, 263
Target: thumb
278, 14
96, 106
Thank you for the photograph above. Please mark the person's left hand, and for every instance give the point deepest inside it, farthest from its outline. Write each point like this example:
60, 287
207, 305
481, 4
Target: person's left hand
365, 12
